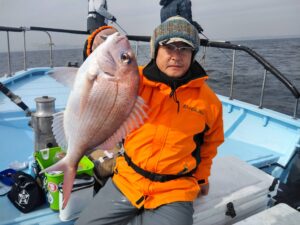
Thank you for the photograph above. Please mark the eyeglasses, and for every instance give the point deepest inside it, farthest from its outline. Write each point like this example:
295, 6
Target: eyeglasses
173, 48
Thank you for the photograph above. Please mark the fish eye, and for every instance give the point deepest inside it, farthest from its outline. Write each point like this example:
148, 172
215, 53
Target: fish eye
125, 58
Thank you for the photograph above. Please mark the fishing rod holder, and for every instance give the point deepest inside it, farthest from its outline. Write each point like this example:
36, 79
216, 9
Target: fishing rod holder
41, 122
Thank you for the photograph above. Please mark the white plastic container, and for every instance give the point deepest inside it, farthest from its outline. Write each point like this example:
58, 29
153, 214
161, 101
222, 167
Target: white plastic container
280, 214
237, 190
82, 194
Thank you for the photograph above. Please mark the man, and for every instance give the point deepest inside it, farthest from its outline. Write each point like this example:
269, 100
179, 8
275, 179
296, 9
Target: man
178, 7
167, 161
98, 15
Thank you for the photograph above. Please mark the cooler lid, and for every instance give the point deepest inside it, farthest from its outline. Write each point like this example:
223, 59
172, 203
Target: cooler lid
232, 180
80, 182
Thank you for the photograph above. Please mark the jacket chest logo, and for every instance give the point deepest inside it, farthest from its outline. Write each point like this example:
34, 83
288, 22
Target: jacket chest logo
193, 109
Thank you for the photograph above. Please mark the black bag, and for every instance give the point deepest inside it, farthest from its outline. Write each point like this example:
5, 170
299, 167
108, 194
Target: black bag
25, 193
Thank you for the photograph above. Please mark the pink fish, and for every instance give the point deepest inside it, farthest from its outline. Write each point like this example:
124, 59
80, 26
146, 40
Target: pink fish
103, 106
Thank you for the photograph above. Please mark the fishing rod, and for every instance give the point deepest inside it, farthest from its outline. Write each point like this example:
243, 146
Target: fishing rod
221, 50
114, 20
120, 27
15, 99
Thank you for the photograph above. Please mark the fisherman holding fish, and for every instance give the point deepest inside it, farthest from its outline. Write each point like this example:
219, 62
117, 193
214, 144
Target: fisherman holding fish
167, 160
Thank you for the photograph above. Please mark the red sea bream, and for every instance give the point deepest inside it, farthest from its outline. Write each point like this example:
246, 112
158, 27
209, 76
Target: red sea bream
102, 108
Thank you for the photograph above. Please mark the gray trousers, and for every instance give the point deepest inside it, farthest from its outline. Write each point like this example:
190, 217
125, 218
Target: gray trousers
95, 22
111, 207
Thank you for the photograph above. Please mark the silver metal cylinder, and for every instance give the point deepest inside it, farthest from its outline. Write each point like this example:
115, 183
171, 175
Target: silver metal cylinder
41, 122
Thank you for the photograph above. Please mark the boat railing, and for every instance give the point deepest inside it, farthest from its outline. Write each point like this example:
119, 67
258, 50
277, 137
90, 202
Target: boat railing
268, 67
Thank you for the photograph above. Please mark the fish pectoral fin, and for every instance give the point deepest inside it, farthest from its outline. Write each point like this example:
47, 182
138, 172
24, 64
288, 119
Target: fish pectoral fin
134, 120
58, 129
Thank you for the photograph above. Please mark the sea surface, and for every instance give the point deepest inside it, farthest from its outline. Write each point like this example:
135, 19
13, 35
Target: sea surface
284, 54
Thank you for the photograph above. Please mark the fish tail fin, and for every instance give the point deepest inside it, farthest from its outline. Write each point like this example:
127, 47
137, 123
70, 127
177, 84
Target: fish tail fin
69, 176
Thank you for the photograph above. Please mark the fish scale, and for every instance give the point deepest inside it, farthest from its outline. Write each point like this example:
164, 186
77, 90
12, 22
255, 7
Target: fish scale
95, 107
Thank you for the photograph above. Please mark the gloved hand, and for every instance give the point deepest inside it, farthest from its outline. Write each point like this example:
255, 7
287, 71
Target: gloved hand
113, 19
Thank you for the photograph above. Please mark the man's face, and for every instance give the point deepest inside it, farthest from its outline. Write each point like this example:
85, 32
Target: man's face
174, 59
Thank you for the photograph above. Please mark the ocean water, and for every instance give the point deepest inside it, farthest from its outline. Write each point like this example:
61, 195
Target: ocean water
284, 54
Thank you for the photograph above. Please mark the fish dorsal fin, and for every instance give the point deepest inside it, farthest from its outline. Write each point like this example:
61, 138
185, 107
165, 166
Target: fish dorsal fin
58, 129
64, 75
134, 120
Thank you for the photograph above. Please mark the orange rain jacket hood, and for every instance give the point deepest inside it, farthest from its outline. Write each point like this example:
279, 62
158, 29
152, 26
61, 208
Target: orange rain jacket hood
171, 141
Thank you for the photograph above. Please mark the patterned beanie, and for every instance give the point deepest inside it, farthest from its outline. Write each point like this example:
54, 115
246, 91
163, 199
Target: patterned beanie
174, 29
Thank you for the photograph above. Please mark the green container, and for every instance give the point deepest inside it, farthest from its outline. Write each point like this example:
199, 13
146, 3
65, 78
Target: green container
49, 156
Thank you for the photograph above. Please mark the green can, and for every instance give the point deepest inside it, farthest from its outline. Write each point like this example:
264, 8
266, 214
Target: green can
49, 156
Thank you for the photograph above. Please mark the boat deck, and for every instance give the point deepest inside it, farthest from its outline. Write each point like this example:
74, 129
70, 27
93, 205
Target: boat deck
258, 136
17, 137
43, 215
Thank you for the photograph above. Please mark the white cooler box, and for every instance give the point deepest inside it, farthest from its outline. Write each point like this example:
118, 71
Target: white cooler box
237, 190
280, 214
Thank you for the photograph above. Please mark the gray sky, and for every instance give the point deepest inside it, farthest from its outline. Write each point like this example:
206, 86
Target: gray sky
221, 19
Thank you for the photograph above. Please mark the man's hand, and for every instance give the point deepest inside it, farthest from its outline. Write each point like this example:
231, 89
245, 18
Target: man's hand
204, 188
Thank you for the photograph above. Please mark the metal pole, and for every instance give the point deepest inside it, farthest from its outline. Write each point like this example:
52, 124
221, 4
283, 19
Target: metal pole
232, 75
25, 55
262, 90
51, 44
202, 60
136, 48
8, 54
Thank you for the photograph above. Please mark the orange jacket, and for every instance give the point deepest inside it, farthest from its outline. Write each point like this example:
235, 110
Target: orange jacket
167, 143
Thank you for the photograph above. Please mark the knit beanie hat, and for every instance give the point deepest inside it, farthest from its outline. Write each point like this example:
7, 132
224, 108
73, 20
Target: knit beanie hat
174, 29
